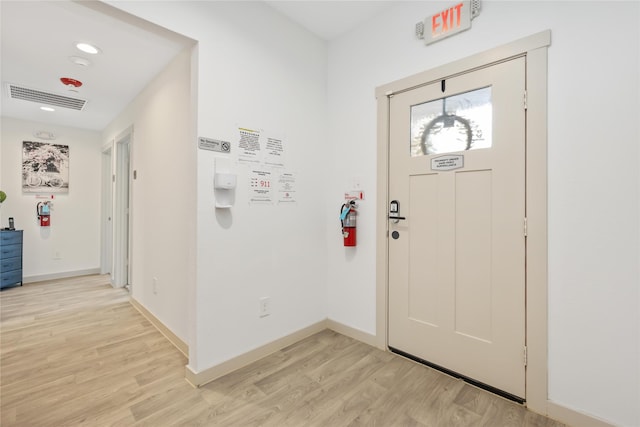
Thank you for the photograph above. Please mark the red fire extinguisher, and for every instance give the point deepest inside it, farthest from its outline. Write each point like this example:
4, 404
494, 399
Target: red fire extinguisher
348, 216
43, 209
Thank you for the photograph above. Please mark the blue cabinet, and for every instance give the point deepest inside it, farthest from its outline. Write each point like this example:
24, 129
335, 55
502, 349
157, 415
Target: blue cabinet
10, 258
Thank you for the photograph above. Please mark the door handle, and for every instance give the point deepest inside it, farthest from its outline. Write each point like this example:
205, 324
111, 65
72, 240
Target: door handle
394, 211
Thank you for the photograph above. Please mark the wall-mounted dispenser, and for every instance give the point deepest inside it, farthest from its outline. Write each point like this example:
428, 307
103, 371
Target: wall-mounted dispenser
224, 189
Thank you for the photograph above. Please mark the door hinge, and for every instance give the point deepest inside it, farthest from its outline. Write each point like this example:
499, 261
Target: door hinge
526, 227
524, 100
525, 355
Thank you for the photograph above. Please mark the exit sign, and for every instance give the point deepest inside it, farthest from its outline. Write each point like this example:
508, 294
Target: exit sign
447, 22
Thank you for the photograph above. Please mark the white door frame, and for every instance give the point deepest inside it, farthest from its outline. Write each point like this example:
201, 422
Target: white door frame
122, 210
535, 49
107, 211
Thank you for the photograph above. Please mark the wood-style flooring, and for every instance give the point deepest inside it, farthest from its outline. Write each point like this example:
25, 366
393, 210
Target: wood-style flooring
74, 352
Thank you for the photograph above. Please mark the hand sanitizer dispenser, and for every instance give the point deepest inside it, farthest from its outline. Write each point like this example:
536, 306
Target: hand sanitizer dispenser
224, 187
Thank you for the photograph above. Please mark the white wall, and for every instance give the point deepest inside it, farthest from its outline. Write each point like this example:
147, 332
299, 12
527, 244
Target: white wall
74, 235
593, 178
594, 316
256, 70
163, 195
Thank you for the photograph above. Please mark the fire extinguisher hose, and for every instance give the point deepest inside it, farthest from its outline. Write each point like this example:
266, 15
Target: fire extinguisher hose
344, 211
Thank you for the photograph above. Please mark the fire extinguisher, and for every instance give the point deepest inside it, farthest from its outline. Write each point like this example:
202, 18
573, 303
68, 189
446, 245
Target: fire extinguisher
348, 215
43, 209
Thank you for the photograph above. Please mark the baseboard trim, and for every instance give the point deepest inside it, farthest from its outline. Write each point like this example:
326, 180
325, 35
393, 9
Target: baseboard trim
573, 417
354, 333
173, 338
201, 378
61, 275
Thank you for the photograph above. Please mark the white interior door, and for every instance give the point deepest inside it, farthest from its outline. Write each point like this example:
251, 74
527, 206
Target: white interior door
121, 244
457, 260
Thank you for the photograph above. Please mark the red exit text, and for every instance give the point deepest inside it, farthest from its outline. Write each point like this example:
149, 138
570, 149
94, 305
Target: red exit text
447, 20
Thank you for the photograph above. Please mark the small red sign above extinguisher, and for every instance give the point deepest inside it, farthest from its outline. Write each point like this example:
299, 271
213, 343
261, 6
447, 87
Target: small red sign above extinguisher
354, 195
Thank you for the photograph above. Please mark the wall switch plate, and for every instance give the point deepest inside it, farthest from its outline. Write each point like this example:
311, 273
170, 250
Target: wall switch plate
265, 306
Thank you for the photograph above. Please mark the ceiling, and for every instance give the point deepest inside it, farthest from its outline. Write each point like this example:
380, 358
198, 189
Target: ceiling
329, 19
38, 39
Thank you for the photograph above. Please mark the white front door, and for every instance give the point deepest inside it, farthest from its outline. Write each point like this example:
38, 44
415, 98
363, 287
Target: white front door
457, 259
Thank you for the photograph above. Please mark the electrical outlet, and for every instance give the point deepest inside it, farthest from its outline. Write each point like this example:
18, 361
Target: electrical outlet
265, 306
155, 286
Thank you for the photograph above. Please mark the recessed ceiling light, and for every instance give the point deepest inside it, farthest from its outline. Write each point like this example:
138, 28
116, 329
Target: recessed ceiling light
47, 109
78, 60
87, 48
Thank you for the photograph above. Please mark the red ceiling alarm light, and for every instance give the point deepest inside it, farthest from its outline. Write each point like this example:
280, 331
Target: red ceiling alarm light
70, 82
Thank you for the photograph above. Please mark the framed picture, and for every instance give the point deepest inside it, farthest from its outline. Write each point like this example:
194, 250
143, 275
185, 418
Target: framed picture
45, 167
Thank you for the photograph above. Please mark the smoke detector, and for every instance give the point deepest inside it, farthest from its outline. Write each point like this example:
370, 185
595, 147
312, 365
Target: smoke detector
72, 84
79, 60
45, 134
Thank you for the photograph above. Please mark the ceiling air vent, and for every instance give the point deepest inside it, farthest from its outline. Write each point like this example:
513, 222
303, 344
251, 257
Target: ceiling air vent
17, 92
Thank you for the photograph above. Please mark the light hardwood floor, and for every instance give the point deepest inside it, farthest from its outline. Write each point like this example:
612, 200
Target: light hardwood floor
75, 352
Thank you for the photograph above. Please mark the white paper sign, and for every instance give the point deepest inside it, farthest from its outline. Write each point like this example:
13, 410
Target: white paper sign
286, 188
249, 146
274, 152
260, 187
447, 163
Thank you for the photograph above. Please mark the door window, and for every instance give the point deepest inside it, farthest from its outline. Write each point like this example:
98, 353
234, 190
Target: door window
454, 123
